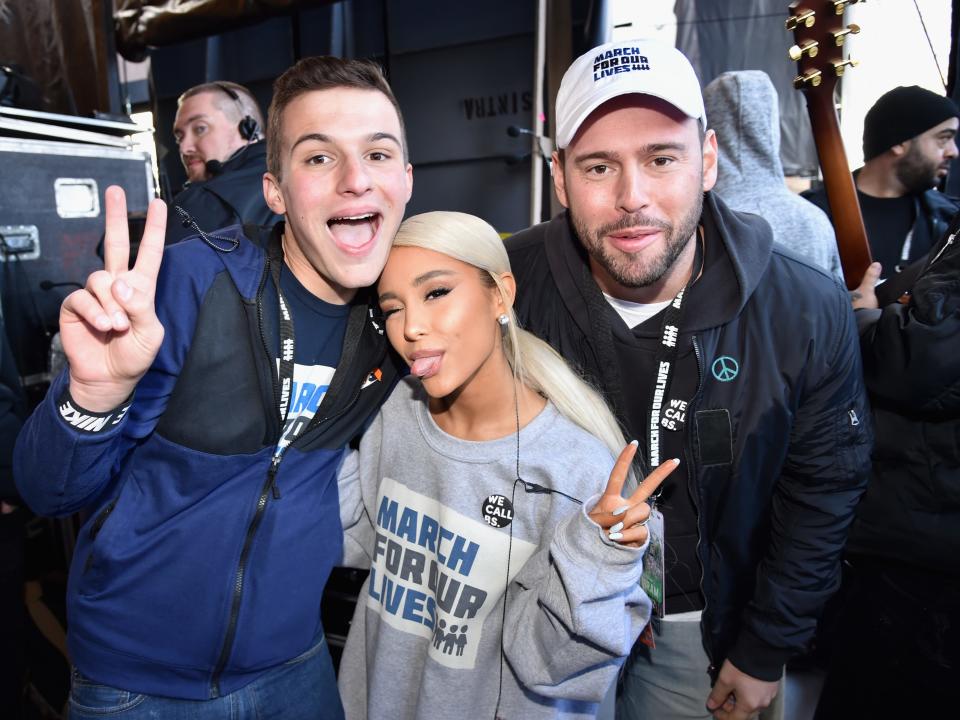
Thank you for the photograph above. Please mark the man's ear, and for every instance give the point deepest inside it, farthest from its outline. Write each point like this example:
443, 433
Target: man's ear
901, 149
559, 181
273, 195
710, 156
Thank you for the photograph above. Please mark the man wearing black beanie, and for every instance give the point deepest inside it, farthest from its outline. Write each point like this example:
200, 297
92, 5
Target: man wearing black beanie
908, 143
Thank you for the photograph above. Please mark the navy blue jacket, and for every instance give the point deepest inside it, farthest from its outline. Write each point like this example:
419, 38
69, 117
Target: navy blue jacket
233, 197
778, 457
191, 577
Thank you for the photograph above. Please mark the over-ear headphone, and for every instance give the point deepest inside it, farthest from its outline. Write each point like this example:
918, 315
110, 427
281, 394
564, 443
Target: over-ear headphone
248, 128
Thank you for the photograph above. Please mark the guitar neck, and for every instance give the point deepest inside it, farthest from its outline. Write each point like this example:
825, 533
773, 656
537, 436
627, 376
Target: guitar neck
841, 192
820, 33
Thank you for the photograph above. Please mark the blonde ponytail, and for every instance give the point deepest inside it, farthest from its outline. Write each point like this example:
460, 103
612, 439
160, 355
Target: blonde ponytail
471, 240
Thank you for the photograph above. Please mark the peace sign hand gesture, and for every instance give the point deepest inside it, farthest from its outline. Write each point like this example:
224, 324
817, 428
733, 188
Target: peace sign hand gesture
625, 520
109, 329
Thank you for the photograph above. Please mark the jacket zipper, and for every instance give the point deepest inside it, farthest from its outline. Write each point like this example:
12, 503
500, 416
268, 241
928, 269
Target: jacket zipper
240, 576
694, 485
269, 489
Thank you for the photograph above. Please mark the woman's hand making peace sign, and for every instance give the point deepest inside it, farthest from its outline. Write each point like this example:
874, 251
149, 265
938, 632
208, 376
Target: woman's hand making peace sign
625, 519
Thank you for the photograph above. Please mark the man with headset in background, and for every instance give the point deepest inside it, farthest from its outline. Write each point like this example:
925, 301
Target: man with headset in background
219, 132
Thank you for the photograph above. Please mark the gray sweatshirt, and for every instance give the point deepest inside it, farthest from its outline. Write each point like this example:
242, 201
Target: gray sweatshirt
742, 107
431, 516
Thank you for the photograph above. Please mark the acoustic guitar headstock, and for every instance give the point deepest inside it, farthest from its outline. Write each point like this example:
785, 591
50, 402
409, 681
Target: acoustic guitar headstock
819, 35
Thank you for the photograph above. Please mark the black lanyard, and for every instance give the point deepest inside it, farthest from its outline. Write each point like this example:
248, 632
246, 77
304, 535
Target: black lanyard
667, 358
287, 343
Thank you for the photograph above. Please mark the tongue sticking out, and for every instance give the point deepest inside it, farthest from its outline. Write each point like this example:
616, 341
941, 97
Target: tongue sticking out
353, 233
425, 366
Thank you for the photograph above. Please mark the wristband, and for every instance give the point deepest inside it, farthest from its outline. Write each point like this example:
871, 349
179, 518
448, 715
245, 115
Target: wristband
88, 421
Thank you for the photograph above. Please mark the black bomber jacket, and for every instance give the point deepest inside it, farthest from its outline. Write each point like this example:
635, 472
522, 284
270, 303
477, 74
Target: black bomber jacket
778, 458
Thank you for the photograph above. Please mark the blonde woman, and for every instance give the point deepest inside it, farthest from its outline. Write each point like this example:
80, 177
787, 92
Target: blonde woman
486, 501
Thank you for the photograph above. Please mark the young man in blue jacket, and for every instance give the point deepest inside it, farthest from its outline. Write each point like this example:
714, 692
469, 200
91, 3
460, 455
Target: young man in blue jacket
204, 414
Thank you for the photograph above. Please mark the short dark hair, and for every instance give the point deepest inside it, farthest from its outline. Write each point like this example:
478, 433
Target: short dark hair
322, 72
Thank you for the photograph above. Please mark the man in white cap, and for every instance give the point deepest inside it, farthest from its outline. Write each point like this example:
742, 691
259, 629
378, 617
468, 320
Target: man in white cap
714, 347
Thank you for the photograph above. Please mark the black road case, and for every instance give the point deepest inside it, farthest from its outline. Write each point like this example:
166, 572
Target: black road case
51, 222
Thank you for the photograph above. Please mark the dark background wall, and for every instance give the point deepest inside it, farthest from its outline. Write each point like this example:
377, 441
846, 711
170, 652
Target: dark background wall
462, 72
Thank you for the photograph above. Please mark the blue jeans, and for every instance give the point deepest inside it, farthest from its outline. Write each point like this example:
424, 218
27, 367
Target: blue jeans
304, 688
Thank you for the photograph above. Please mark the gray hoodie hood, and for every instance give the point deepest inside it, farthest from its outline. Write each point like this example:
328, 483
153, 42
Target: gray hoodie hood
743, 109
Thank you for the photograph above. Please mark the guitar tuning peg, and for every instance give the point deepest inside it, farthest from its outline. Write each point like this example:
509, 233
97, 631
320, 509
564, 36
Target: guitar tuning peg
809, 48
839, 67
811, 77
807, 17
840, 5
840, 35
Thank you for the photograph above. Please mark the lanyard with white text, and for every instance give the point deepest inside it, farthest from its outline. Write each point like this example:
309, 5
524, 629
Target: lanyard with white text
286, 341
666, 360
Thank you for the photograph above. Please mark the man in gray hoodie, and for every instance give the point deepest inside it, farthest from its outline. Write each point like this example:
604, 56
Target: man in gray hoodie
744, 111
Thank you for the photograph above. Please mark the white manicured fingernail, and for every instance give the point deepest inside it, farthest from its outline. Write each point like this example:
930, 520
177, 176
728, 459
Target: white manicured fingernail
675, 461
634, 442
615, 536
119, 319
103, 323
620, 510
616, 528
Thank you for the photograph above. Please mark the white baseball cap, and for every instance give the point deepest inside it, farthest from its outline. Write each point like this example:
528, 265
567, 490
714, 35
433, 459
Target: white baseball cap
647, 67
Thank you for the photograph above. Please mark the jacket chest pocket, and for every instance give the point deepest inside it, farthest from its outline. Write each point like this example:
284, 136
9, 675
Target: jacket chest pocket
95, 527
714, 437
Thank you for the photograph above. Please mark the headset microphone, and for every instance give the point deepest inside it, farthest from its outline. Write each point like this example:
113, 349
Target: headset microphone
543, 145
213, 167
515, 131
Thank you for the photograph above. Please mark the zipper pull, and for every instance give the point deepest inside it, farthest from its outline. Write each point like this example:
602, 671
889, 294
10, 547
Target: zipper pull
272, 472
854, 420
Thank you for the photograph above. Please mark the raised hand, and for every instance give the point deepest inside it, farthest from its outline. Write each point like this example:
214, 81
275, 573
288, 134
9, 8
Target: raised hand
109, 329
625, 519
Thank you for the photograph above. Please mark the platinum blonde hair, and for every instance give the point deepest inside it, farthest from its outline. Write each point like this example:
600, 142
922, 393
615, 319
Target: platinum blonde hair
537, 365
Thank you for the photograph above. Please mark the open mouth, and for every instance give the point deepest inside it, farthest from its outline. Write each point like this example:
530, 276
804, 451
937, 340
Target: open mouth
355, 233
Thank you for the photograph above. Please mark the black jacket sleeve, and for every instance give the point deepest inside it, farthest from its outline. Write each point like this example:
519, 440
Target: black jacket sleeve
909, 351
823, 477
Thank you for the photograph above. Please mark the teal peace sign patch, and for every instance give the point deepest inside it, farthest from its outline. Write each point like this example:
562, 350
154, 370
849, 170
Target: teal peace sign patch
725, 368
